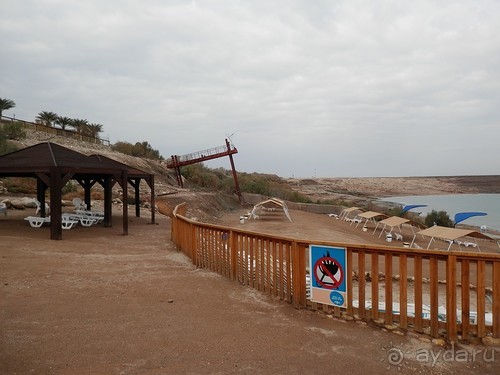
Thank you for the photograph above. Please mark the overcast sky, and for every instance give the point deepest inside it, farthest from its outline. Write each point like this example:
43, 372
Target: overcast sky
308, 88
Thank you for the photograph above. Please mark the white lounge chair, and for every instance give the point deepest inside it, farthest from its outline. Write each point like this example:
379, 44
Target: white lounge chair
84, 220
67, 223
39, 207
98, 215
79, 204
37, 222
356, 220
471, 244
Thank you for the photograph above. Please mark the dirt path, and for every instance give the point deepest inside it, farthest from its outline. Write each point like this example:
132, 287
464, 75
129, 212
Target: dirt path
98, 302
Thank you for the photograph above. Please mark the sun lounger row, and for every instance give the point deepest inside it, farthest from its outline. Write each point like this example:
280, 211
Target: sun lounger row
68, 221
89, 213
464, 243
355, 220
37, 222
84, 219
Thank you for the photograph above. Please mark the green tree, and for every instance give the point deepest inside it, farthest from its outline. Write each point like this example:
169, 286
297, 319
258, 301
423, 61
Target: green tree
440, 218
80, 125
6, 104
63, 122
47, 118
140, 149
199, 175
94, 129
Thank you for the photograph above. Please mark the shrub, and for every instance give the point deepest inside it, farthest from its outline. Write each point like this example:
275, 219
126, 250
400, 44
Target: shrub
12, 130
69, 188
440, 218
140, 149
221, 179
19, 185
6, 147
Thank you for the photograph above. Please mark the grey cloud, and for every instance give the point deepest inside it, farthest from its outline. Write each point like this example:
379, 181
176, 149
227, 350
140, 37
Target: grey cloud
328, 87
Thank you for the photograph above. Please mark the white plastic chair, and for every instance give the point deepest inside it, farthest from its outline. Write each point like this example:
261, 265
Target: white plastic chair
79, 204
39, 207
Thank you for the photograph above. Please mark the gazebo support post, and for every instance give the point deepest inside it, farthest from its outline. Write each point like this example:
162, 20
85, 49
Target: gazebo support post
124, 183
108, 201
153, 199
136, 183
55, 203
87, 198
87, 184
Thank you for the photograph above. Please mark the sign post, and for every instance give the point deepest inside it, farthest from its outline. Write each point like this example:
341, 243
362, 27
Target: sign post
328, 279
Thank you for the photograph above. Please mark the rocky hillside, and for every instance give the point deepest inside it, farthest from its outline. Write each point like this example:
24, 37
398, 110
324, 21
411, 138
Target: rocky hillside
202, 205
164, 179
346, 191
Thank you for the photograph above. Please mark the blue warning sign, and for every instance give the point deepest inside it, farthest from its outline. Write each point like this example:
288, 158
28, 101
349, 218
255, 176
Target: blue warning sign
328, 275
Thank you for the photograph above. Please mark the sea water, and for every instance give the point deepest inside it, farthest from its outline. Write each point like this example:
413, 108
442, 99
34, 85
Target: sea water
454, 203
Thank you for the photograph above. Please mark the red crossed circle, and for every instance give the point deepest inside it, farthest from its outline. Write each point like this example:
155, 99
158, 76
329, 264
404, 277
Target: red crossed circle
320, 268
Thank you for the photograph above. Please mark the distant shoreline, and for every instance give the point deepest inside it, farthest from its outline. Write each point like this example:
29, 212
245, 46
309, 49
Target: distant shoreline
363, 189
359, 191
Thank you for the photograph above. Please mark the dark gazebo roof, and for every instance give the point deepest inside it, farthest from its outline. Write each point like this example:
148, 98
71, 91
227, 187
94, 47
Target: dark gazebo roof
53, 165
113, 164
42, 156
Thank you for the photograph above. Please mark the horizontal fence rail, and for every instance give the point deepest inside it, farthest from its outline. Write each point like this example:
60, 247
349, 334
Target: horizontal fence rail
442, 294
55, 131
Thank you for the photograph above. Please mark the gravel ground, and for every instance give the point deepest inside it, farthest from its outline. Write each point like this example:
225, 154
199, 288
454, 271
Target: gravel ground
98, 302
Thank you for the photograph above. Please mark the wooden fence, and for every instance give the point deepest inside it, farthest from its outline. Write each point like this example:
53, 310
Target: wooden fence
443, 294
55, 131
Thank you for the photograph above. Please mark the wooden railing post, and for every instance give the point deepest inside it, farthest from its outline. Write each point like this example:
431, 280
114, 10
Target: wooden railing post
374, 271
388, 289
418, 293
349, 287
192, 249
403, 291
481, 293
434, 296
277, 266
465, 288
299, 275
496, 299
234, 253
451, 298
361, 285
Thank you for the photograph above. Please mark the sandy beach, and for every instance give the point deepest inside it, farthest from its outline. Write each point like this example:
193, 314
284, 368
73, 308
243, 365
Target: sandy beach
103, 303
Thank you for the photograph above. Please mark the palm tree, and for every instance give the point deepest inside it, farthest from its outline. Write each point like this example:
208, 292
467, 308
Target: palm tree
63, 122
95, 129
6, 104
47, 118
80, 125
